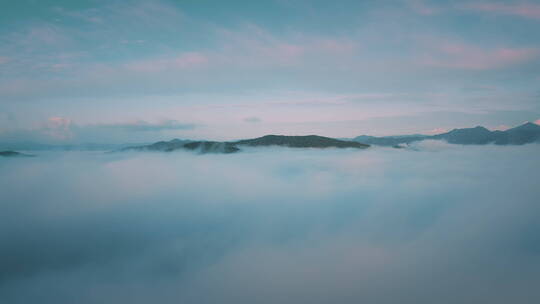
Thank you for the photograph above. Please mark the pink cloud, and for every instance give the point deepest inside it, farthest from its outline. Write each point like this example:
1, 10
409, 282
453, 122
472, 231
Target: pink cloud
436, 131
289, 53
3, 59
470, 57
190, 60
45, 34
255, 46
59, 66
537, 122
500, 128
180, 62
58, 128
421, 8
284, 53
58, 122
526, 10
335, 46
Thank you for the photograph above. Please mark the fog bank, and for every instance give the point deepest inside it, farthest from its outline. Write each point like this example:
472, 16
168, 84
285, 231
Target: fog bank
437, 223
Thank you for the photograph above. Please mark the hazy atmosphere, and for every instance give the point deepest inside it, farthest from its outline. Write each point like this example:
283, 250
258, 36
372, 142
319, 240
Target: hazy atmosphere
269, 152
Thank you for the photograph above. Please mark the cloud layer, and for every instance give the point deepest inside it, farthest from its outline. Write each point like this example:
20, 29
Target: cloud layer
443, 224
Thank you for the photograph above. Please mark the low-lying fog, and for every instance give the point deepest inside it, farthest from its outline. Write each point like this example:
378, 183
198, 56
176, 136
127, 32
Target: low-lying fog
442, 224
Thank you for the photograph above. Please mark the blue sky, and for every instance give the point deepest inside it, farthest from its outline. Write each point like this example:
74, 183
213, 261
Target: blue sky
109, 71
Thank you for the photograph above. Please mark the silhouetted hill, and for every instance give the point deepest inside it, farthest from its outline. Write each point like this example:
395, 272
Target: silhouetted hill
308, 141
166, 146
468, 136
520, 135
524, 134
13, 154
178, 144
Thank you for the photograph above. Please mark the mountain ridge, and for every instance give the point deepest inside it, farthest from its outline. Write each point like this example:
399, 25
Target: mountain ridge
226, 147
303, 141
523, 134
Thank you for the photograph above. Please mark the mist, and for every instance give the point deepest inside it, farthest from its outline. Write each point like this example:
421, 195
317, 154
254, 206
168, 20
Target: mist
436, 223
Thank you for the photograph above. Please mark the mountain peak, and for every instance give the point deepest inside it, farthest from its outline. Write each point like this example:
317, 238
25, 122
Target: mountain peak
531, 124
527, 126
475, 130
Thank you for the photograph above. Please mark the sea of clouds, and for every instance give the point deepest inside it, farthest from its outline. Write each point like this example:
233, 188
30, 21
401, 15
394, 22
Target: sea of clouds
434, 223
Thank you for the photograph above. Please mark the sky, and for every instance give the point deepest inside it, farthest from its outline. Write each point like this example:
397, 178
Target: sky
141, 71
439, 223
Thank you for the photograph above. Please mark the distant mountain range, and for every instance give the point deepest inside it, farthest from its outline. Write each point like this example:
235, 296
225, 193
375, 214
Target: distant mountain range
166, 146
178, 144
524, 134
309, 141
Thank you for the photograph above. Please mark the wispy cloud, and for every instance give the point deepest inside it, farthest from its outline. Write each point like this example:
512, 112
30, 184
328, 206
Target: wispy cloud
253, 45
521, 9
421, 7
144, 126
241, 55
460, 55
518, 9
182, 61
252, 119
436, 131
58, 128
65, 130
